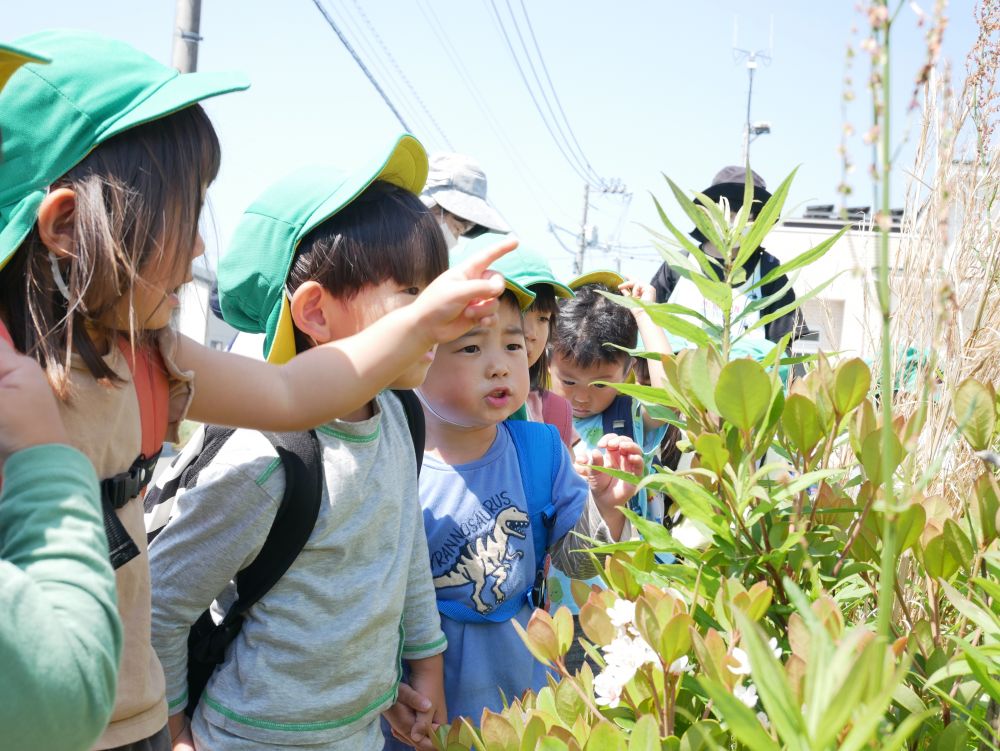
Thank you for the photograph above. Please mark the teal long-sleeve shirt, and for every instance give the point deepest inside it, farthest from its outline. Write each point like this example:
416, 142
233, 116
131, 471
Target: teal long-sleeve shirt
60, 636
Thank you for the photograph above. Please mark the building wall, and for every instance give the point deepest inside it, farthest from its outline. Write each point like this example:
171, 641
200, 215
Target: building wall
845, 322
195, 319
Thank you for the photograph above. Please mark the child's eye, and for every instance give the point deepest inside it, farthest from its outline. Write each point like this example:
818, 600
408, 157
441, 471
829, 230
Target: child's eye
515, 346
567, 383
598, 385
471, 349
412, 291
544, 319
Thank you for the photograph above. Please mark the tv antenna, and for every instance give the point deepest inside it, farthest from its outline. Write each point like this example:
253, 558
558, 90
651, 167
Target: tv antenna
753, 60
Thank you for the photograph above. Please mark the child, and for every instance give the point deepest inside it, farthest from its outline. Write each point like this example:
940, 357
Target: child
60, 637
354, 254
481, 489
103, 181
585, 348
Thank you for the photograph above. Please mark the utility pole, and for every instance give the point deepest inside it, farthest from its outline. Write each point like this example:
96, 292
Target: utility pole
753, 60
187, 21
578, 263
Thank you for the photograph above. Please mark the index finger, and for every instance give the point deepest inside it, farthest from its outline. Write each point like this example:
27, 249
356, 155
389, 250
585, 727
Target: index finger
479, 263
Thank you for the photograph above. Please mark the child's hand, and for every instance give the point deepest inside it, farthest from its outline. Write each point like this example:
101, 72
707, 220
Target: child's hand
403, 718
180, 733
462, 296
619, 452
638, 290
29, 416
427, 678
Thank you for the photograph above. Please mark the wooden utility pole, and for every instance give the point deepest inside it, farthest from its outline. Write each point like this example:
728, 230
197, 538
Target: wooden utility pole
582, 249
187, 21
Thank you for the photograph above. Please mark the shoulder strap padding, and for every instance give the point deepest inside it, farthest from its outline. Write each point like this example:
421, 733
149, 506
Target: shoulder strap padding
414, 421
617, 418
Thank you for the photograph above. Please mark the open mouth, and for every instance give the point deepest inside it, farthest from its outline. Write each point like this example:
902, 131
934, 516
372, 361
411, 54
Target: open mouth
498, 397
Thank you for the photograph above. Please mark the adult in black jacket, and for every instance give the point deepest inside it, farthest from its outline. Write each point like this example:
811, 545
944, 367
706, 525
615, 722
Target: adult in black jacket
729, 182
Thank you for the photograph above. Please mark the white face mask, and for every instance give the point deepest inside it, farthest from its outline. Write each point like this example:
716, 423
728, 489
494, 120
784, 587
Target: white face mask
449, 237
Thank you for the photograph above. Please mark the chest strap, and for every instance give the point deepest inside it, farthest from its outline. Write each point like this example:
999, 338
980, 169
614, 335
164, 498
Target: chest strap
115, 493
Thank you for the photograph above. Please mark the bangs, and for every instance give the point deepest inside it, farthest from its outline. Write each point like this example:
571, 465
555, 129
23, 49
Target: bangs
385, 234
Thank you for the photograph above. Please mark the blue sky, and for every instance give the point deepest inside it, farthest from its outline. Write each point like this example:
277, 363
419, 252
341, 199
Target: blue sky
647, 87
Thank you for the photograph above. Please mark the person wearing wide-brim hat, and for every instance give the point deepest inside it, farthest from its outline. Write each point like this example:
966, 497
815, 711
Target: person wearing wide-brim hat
456, 194
729, 183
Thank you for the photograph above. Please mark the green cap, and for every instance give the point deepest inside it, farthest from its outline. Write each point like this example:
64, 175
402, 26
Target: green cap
12, 58
469, 247
610, 279
253, 271
524, 266
53, 116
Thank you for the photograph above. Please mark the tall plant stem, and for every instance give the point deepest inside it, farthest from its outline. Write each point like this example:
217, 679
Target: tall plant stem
887, 578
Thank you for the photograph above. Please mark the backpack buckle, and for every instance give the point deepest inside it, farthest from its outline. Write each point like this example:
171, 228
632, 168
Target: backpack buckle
125, 486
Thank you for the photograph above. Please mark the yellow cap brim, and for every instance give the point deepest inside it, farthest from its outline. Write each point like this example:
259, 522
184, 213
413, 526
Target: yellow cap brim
12, 58
283, 347
610, 279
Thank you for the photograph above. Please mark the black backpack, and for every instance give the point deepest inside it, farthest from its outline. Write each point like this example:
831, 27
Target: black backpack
302, 462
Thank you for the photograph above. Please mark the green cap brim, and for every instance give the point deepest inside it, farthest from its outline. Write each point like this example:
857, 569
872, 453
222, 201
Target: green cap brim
177, 93
405, 167
610, 279
560, 289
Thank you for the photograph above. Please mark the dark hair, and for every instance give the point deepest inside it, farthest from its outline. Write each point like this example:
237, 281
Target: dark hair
588, 324
545, 302
138, 201
385, 234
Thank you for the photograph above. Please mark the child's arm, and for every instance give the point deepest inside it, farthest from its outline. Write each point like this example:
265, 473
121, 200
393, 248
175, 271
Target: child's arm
653, 340
337, 378
427, 678
60, 635
591, 501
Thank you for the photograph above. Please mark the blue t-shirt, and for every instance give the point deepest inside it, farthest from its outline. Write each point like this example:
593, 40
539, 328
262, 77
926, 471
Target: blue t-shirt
481, 551
591, 430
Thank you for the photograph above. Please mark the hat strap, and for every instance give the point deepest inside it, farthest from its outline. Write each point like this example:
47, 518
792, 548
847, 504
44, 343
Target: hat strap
57, 276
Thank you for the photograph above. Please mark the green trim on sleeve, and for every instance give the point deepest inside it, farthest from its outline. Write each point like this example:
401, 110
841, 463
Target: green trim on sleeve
348, 437
411, 648
182, 699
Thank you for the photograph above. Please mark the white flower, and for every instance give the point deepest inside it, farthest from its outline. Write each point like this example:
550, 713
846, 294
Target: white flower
675, 593
742, 666
629, 653
680, 666
763, 720
746, 694
773, 644
622, 613
608, 688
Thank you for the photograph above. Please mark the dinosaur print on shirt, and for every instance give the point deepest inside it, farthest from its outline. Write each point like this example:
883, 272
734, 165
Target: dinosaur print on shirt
488, 555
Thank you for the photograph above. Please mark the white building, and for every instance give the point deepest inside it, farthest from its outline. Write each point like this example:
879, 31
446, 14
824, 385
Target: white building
194, 318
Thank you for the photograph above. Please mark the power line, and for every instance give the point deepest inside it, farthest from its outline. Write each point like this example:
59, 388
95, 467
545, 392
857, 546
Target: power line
552, 88
364, 68
517, 63
437, 28
402, 75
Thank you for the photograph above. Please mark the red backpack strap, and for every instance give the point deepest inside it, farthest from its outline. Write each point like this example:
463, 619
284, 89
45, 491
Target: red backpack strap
5, 334
152, 389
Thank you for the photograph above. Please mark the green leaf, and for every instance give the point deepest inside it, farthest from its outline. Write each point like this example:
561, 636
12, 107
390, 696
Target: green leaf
772, 685
645, 735
685, 241
698, 370
938, 559
852, 380
704, 735
989, 623
743, 393
497, 732
952, 738
742, 722
803, 259
871, 456
605, 737
712, 450
767, 217
909, 526
800, 421
794, 305
975, 413
674, 324
696, 214
958, 544
981, 665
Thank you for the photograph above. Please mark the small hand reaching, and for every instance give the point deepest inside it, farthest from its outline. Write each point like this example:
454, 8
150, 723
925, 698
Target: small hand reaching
614, 452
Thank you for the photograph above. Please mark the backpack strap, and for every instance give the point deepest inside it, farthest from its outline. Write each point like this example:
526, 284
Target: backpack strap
5, 334
414, 421
152, 391
301, 459
617, 418
539, 452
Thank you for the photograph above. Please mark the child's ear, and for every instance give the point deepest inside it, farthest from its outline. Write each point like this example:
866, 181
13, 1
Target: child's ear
310, 310
56, 216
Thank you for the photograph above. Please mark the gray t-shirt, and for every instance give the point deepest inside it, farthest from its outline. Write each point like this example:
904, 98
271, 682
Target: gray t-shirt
318, 657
